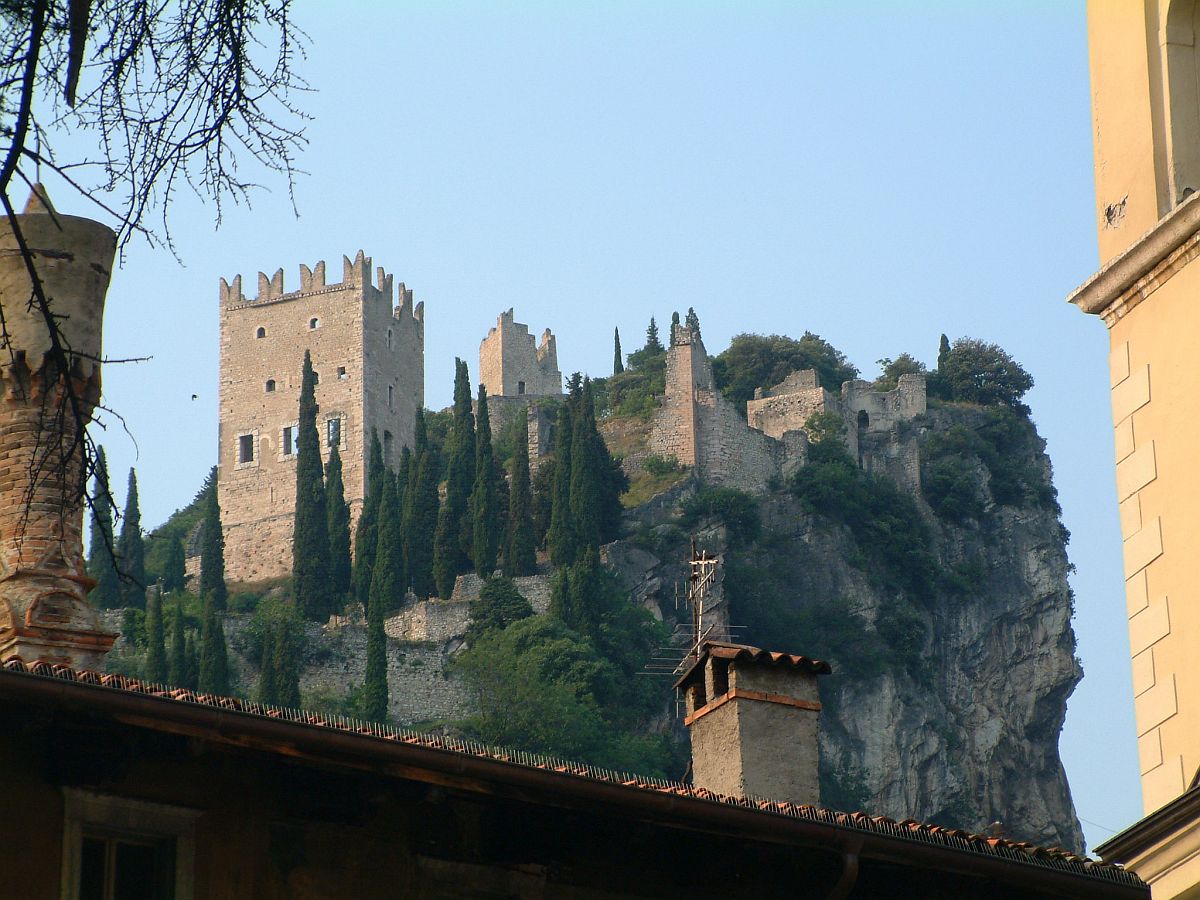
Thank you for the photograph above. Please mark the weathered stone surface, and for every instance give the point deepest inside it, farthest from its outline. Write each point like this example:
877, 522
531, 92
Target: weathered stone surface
511, 365
369, 357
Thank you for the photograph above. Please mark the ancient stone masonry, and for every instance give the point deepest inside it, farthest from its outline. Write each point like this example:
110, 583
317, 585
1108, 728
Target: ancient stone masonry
698, 427
701, 429
511, 365
44, 613
369, 357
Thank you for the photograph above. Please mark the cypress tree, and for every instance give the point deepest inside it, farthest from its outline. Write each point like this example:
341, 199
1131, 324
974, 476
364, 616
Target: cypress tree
618, 359
287, 676
674, 321
156, 649
560, 538
450, 556
175, 566
192, 664
421, 520
310, 537
375, 685
214, 660
131, 550
267, 682
365, 536
485, 502
101, 565
339, 528
212, 553
387, 580
693, 321
519, 556
943, 350
177, 662
586, 478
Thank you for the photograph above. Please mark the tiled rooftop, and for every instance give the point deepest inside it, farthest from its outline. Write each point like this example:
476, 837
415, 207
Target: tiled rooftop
951, 838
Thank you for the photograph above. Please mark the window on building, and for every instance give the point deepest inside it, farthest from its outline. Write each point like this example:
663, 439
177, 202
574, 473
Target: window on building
270, 385
391, 391
389, 339
261, 333
341, 373
314, 324
114, 848
333, 433
520, 387
289, 441
246, 448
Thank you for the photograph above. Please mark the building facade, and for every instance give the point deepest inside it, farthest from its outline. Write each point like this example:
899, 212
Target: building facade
368, 352
1145, 63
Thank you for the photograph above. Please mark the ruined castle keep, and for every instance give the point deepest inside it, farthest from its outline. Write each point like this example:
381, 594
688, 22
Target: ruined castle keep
368, 351
511, 365
698, 427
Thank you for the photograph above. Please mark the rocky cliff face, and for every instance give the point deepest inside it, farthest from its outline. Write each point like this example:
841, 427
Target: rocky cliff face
944, 707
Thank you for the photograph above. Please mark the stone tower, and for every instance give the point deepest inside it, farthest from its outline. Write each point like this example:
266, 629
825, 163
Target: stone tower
1145, 63
44, 613
369, 355
511, 365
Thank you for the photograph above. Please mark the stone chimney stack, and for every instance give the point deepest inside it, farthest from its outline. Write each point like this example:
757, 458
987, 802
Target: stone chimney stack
753, 719
44, 613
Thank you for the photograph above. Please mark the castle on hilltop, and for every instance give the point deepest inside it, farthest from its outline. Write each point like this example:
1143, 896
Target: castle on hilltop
697, 426
368, 352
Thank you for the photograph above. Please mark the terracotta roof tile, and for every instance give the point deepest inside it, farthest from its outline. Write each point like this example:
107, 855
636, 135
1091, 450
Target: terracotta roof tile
909, 829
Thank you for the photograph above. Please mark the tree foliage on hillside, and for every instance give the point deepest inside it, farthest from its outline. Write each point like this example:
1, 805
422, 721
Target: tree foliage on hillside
131, 549
452, 540
754, 360
974, 371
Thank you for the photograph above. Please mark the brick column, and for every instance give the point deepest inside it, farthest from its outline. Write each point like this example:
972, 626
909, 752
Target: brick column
44, 613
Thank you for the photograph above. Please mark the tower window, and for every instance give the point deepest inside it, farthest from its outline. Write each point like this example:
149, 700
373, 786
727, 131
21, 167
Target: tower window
246, 448
270, 385
389, 339
289, 441
387, 447
520, 387
314, 324
390, 392
261, 333
341, 373
333, 433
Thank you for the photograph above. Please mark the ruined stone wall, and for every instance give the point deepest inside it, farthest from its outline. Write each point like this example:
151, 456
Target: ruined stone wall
780, 410
884, 409
512, 365
369, 360
698, 427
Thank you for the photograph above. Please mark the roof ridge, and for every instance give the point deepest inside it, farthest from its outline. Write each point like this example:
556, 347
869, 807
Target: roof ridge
906, 829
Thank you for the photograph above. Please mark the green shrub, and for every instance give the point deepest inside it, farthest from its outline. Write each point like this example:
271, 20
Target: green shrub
736, 509
754, 360
884, 520
659, 466
975, 371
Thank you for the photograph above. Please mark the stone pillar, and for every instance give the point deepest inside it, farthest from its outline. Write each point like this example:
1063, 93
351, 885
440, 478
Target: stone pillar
753, 717
44, 612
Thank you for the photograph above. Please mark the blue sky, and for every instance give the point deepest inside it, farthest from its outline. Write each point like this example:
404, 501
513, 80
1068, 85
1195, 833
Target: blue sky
878, 177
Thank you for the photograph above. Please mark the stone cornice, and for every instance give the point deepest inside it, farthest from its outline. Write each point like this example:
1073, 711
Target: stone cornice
1149, 263
1181, 814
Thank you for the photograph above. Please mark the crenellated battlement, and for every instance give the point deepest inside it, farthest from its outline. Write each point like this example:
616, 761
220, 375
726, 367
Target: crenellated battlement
355, 274
366, 338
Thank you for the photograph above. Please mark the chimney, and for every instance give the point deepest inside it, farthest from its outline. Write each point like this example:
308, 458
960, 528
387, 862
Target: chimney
44, 612
753, 719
